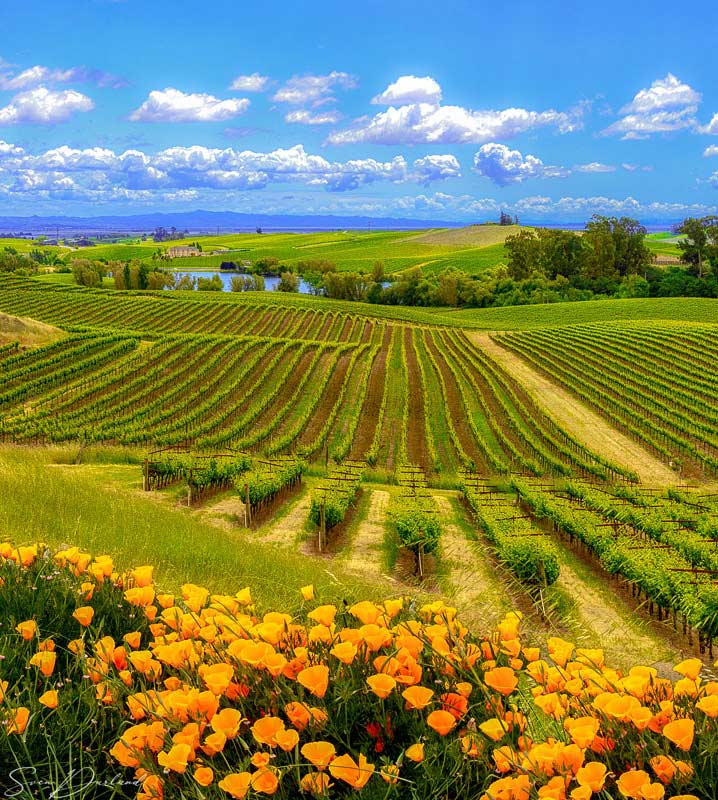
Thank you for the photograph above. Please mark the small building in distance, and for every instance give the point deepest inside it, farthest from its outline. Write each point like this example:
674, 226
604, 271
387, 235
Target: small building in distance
182, 251
667, 261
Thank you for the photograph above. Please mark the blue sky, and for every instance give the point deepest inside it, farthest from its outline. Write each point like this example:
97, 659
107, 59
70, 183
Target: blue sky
448, 110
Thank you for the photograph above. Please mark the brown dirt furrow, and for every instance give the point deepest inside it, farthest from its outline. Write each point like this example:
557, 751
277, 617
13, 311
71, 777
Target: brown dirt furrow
287, 391
456, 407
345, 330
305, 325
286, 321
365, 554
492, 404
416, 434
323, 365
326, 404
367, 332
370, 411
576, 417
325, 326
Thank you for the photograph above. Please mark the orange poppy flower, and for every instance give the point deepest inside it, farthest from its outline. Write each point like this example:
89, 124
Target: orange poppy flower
592, 775
287, 739
690, 668
652, 791
664, 768
142, 576
441, 721
319, 754
708, 705
84, 615
48, 698
265, 781
133, 639
214, 743
355, 774
324, 615
27, 629
315, 679
44, 661
227, 722
18, 720
559, 650
680, 732
236, 783
455, 704
298, 714
415, 752
265, 730
382, 685
502, 680
203, 775
217, 677
366, 612
631, 783
307, 592
494, 728
417, 697
345, 652
176, 759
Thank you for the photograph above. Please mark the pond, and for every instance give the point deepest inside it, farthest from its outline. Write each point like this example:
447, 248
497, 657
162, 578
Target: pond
270, 284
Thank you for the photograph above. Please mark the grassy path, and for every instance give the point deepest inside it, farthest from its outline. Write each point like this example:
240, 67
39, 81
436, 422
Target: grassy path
599, 615
365, 555
468, 579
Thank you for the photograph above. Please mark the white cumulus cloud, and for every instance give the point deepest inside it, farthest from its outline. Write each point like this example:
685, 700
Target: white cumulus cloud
409, 89
305, 117
709, 151
636, 167
43, 106
505, 166
314, 90
99, 169
425, 123
711, 128
437, 167
594, 166
668, 105
250, 83
34, 76
172, 105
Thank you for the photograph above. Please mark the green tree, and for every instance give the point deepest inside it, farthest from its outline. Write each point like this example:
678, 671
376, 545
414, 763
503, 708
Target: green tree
626, 254
289, 282
524, 250
701, 242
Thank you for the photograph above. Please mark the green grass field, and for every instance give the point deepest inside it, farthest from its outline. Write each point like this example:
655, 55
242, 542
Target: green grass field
472, 249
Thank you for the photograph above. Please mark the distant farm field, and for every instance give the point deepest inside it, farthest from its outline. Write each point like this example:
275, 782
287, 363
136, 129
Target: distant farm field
472, 249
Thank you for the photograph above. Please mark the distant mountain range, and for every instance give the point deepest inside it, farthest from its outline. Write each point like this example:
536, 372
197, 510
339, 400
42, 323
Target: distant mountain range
209, 222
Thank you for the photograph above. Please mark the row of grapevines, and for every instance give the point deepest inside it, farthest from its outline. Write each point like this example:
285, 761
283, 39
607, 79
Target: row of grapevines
334, 500
663, 575
517, 544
